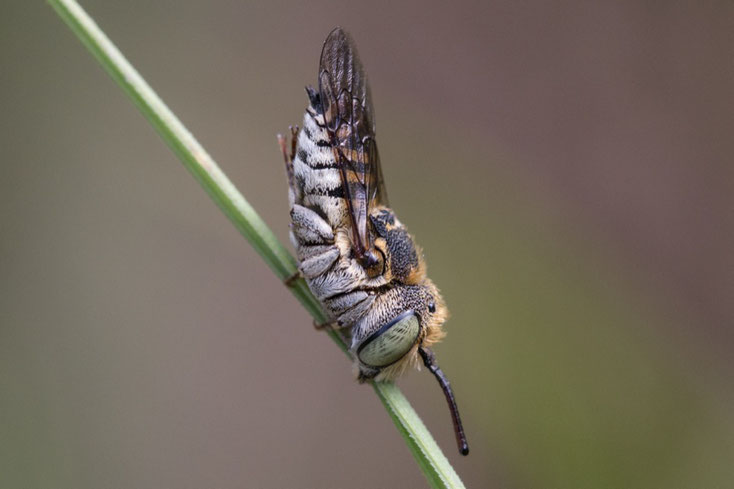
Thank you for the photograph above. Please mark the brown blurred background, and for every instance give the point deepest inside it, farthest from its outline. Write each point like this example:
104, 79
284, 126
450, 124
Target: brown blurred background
566, 167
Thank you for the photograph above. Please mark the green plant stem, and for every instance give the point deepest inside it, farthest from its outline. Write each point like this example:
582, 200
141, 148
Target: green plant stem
431, 460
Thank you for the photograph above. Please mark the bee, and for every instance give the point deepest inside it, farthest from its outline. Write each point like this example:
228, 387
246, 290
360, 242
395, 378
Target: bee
357, 258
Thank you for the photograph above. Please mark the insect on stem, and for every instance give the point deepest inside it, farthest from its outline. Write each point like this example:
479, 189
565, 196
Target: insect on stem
429, 360
375, 284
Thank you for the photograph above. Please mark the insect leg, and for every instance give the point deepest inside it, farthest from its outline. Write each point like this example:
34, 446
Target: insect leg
309, 228
333, 325
290, 281
349, 307
319, 263
288, 159
314, 240
314, 261
294, 141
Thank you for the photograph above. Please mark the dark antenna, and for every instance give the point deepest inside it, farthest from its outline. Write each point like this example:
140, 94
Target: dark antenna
429, 360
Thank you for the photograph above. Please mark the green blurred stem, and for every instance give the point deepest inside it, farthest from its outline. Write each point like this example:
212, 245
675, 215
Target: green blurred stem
433, 463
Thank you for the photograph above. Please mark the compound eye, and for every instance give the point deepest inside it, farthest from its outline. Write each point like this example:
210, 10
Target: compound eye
391, 342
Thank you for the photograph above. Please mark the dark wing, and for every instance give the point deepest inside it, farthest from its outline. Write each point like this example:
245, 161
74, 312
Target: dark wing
347, 105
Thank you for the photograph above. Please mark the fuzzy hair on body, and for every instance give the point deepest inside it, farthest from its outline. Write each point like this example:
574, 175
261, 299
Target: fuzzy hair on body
321, 235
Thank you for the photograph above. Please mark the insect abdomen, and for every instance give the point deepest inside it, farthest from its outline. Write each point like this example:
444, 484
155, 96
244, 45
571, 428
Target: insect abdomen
317, 176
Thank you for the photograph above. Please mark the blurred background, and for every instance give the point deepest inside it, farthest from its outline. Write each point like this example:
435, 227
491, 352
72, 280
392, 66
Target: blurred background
566, 167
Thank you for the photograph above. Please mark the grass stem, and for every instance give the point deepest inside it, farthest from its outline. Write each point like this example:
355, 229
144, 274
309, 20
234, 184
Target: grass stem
431, 460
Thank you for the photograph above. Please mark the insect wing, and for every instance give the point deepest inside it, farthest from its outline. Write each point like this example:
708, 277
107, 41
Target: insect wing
377, 193
349, 118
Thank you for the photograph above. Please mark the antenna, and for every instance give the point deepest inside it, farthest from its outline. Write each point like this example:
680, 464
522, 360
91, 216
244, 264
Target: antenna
429, 360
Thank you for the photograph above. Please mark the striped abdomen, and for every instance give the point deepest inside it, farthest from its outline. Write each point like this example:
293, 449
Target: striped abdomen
317, 179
